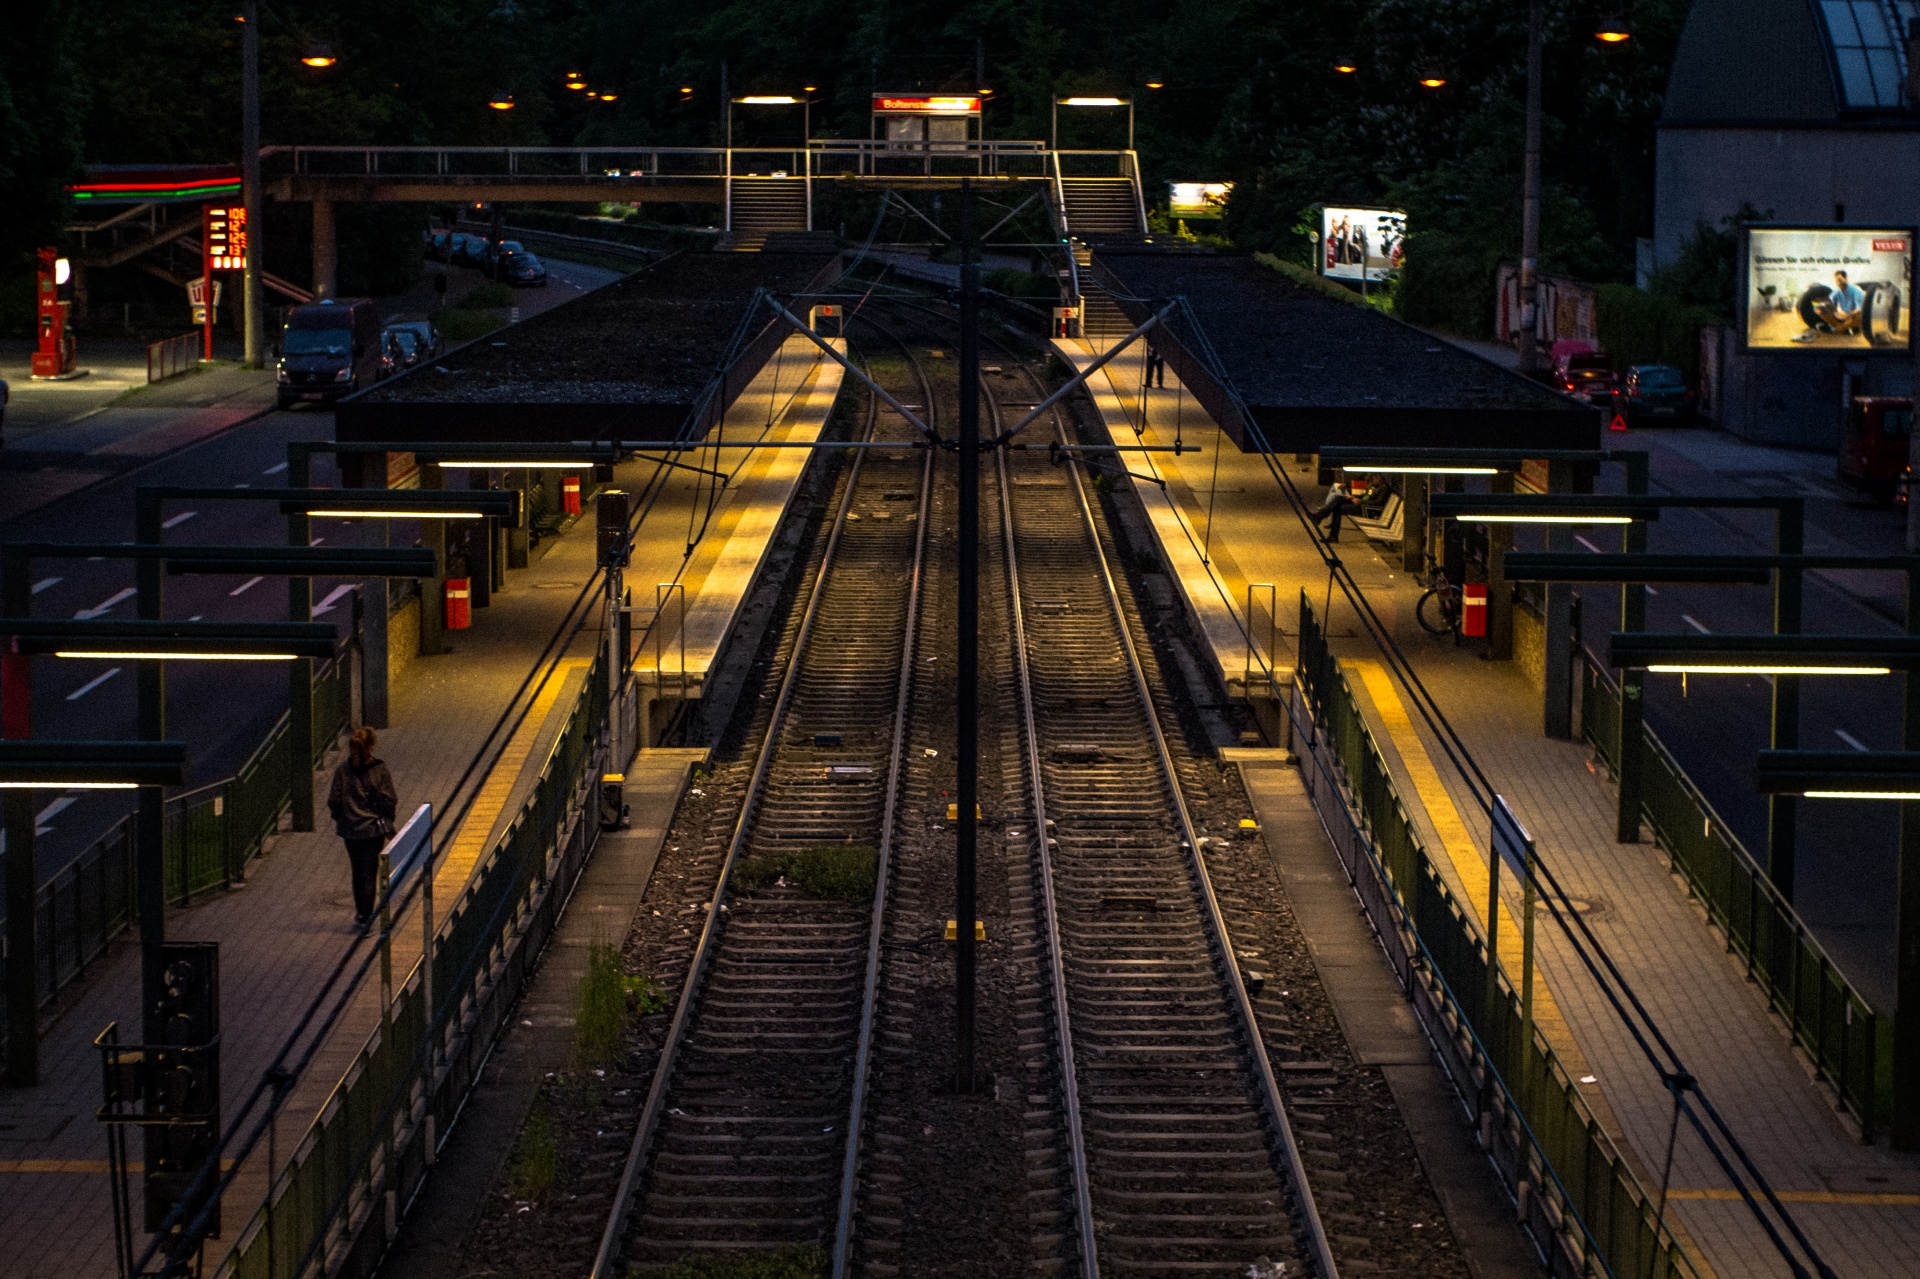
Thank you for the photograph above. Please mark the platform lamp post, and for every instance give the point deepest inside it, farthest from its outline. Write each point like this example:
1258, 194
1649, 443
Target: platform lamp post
150, 642
27, 766
1058, 102
1789, 533
252, 294
297, 504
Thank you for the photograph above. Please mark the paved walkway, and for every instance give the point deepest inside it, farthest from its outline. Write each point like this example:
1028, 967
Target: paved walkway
285, 930
1860, 1204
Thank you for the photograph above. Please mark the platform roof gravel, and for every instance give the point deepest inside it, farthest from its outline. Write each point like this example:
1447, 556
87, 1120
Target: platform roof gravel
1316, 369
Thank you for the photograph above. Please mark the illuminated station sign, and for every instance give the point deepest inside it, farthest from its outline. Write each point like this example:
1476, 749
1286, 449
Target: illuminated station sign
926, 104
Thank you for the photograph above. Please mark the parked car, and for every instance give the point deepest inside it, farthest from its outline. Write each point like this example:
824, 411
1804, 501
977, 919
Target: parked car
1873, 445
467, 250
1656, 392
327, 350
521, 267
425, 339
1597, 386
439, 244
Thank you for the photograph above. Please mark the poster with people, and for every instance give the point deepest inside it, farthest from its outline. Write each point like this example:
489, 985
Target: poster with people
1360, 244
1829, 288
1198, 199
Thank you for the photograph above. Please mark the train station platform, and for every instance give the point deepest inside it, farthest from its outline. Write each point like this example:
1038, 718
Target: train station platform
284, 930
1227, 537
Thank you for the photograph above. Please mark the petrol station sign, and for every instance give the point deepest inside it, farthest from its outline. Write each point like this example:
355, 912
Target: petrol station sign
226, 237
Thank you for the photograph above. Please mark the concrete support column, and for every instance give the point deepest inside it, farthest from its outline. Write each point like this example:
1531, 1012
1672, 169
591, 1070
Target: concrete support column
517, 535
1499, 597
1413, 534
480, 548
1557, 717
326, 251
433, 590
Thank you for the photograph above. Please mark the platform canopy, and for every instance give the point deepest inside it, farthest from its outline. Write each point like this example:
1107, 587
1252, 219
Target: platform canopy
1313, 368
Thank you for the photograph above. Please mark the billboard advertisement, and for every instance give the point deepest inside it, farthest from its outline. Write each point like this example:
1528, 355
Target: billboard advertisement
1199, 199
1362, 243
1829, 288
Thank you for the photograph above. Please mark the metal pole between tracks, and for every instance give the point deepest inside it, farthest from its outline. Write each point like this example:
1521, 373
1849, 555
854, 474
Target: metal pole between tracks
967, 787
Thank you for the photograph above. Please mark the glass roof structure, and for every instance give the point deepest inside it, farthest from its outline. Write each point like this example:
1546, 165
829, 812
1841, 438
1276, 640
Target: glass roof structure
1869, 57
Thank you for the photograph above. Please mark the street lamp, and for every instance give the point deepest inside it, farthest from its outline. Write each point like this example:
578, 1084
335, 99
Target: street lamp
1433, 78
318, 54
1613, 29
501, 100
1346, 66
576, 81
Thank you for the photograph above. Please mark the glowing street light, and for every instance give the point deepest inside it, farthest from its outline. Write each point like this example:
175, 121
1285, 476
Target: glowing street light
575, 80
501, 101
318, 55
1346, 66
1433, 80
1079, 100
1613, 29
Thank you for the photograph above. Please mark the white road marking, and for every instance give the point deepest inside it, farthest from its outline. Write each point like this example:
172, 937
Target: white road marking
106, 605
316, 541
246, 586
181, 518
91, 684
275, 470
51, 811
1849, 739
46, 583
1688, 618
333, 597
1589, 545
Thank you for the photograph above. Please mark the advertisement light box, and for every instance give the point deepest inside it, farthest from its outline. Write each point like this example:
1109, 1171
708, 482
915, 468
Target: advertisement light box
1829, 288
1362, 243
1199, 199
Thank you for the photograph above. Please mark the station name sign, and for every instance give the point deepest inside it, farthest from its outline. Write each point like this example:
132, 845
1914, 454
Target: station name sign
925, 104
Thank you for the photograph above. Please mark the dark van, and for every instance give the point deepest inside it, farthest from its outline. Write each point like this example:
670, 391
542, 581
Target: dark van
328, 349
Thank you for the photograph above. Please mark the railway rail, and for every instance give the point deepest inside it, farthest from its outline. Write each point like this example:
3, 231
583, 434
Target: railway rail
1185, 1155
745, 1136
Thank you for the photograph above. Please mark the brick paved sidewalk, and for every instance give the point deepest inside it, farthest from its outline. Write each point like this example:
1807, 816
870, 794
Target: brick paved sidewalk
1859, 1204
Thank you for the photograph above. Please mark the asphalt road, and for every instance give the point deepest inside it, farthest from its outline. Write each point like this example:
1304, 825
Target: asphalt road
221, 710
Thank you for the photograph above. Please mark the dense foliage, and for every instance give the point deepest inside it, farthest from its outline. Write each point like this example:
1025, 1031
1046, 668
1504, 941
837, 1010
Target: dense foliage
1250, 96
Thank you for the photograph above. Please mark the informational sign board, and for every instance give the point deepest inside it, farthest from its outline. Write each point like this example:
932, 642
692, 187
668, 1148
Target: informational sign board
1362, 243
1199, 199
226, 237
1510, 839
197, 299
1828, 288
926, 104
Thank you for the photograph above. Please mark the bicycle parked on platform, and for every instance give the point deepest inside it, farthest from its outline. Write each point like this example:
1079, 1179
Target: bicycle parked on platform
1439, 608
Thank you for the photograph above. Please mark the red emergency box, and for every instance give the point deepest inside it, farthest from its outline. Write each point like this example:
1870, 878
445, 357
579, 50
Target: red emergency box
1473, 610
570, 494
459, 603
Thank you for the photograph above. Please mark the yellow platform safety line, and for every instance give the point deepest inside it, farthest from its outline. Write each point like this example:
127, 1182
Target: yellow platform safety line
470, 844
1860, 1199
88, 1167
1469, 864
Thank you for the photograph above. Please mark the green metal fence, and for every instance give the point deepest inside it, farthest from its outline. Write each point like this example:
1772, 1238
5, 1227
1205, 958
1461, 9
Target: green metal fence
1579, 1199
1850, 1044
374, 1133
210, 834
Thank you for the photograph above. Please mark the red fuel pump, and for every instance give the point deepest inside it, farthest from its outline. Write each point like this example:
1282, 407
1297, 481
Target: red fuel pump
53, 358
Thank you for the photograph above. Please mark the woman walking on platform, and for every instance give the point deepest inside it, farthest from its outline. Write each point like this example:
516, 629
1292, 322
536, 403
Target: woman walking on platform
363, 802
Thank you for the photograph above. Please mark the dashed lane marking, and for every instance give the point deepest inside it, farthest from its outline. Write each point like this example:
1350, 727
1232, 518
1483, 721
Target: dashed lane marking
333, 597
179, 519
106, 606
47, 583
246, 586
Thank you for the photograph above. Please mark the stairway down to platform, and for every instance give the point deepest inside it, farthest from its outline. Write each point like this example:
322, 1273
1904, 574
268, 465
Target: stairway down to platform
1101, 319
1099, 207
758, 207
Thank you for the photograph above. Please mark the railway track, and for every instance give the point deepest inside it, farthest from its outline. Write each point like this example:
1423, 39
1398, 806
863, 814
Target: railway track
1176, 1129
752, 1116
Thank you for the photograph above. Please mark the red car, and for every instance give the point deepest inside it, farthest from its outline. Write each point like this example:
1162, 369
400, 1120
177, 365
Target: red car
1597, 386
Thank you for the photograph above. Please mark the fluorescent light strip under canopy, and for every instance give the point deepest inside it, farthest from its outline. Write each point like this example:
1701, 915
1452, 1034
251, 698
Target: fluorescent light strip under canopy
397, 513
117, 656
1093, 102
1424, 470
511, 464
1719, 668
56, 784
1486, 518
1860, 794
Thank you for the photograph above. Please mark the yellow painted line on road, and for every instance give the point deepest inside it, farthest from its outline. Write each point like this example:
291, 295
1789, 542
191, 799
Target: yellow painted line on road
1469, 863
470, 845
1863, 1199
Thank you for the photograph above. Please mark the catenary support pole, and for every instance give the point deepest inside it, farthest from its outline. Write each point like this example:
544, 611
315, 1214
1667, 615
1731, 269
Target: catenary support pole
1529, 282
1557, 719
300, 670
1499, 594
253, 296
967, 784
23, 871
149, 831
